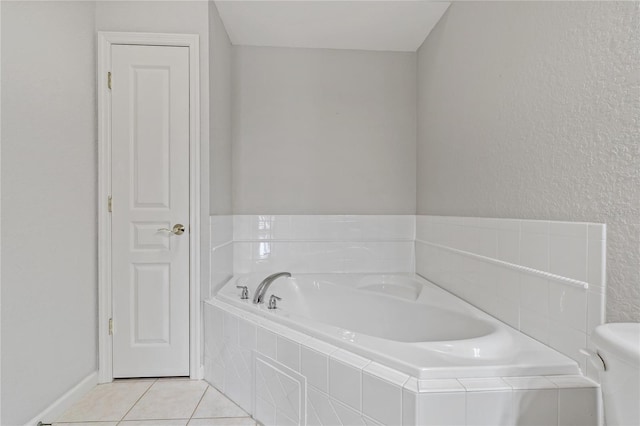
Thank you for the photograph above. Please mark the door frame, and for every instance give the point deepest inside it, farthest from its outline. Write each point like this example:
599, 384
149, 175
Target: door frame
105, 342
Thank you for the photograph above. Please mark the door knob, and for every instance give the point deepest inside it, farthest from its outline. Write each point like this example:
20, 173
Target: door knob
178, 229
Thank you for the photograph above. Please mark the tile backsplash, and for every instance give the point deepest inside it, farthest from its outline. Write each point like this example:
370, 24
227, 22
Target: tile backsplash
319, 243
544, 278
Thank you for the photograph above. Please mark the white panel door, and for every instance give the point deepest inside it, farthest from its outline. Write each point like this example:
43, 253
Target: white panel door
150, 190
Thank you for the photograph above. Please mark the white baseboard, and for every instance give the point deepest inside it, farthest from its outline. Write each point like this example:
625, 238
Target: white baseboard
199, 374
62, 404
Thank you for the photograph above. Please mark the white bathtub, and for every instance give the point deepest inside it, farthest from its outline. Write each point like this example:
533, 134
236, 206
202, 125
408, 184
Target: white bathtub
404, 322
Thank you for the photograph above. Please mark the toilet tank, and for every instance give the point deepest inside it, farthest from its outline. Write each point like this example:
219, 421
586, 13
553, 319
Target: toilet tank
618, 344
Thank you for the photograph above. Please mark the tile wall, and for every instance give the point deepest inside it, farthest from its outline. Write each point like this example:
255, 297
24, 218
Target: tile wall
544, 278
321, 243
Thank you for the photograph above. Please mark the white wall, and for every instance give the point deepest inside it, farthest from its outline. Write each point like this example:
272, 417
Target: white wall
318, 131
220, 109
181, 17
49, 232
530, 110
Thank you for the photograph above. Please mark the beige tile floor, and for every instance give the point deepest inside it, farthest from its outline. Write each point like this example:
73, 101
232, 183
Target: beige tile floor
155, 402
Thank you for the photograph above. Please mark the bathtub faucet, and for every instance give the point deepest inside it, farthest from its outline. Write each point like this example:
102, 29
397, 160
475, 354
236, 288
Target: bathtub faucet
264, 286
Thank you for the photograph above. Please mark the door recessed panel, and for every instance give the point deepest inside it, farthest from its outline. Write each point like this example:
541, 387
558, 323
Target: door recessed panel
146, 236
150, 314
150, 97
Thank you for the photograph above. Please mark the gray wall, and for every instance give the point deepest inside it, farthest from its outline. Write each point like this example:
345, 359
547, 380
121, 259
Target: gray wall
49, 232
530, 110
318, 131
49, 174
220, 109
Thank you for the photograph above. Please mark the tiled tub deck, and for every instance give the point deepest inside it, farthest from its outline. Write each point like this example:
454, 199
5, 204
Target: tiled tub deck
283, 377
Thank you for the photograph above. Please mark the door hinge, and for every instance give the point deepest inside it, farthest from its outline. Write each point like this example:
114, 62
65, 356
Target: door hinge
109, 80
110, 204
110, 326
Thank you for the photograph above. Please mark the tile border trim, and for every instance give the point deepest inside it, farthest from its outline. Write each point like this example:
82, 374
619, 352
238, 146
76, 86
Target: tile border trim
565, 280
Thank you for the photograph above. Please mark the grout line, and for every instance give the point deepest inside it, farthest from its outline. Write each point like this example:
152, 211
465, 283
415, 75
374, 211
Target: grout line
199, 402
316, 240
138, 400
224, 417
151, 420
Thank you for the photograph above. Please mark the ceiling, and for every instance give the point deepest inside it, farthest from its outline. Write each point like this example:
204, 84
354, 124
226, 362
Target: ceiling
390, 25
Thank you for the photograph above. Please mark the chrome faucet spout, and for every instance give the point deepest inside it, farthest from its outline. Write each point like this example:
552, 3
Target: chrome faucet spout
258, 297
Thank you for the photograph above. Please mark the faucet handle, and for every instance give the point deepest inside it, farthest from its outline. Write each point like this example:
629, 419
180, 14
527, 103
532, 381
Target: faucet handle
272, 301
245, 291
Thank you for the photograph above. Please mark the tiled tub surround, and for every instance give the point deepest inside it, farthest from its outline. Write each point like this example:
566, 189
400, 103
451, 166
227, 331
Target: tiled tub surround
284, 377
544, 278
309, 243
323, 243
